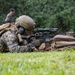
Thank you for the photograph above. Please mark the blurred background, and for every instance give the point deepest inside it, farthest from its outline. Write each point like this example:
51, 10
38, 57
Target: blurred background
46, 13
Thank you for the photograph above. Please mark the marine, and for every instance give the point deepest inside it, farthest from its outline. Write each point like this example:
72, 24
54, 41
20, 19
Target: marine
11, 40
9, 17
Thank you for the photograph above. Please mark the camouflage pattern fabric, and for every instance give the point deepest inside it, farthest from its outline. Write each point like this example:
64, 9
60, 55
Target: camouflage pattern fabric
1, 46
10, 39
12, 27
9, 18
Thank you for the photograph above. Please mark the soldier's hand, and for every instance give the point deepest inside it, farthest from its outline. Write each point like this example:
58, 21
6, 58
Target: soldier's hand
35, 49
42, 46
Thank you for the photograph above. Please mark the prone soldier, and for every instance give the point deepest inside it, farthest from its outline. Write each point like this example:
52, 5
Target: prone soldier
10, 38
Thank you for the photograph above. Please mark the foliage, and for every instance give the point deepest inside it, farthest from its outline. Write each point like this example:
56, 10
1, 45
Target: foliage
46, 13
38, 63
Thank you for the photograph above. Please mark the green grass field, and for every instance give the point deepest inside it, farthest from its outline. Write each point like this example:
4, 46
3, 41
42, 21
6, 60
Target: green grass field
38, 63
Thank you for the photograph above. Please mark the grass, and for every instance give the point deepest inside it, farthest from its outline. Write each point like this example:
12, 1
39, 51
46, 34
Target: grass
38, 63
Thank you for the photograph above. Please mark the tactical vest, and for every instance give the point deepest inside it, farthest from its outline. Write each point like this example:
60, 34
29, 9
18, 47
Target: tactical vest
9, 26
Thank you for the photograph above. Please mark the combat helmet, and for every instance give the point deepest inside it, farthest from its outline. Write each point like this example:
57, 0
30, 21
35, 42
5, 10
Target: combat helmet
26, 22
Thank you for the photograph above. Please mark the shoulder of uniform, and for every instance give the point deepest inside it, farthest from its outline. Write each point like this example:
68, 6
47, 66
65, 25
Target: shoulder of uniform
9, 14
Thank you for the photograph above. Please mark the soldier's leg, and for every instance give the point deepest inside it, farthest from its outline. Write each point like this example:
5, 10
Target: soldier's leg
2, 46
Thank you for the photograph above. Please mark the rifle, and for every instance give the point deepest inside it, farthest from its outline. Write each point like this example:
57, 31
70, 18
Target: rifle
46, 34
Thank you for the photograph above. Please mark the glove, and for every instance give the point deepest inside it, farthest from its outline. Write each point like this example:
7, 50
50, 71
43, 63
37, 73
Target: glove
37, 43
32, 49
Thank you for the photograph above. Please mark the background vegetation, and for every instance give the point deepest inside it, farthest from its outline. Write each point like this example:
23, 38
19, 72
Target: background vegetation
46, 13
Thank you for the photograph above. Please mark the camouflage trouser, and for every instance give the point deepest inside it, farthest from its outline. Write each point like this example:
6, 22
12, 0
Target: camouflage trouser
10, 39
1, 46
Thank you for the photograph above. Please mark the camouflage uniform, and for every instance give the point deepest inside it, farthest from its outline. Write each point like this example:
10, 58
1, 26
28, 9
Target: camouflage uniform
9, 18
10, 42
